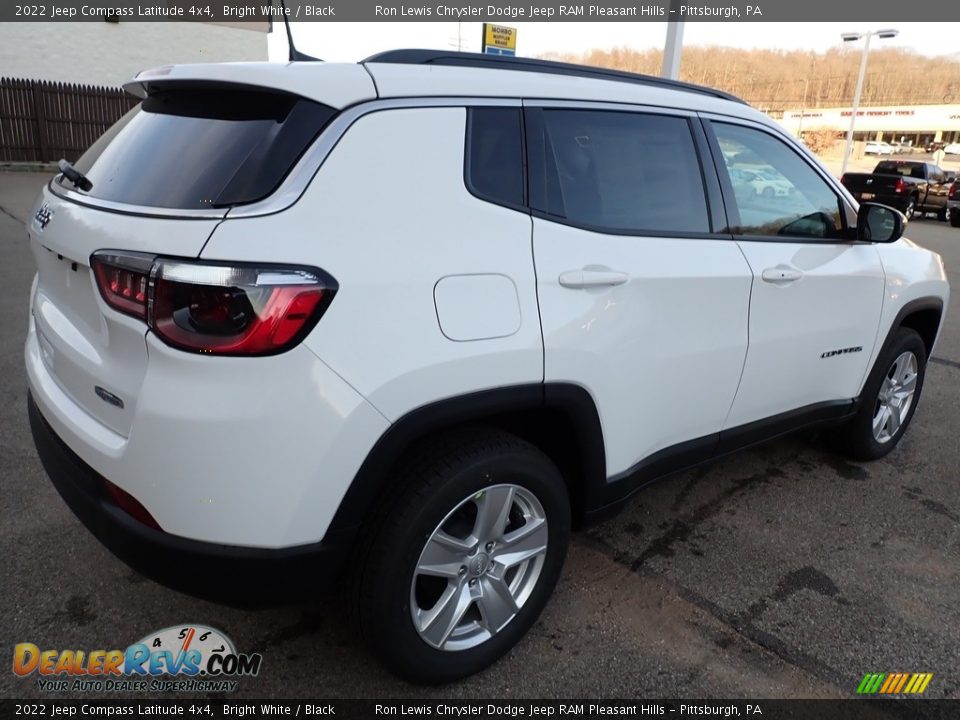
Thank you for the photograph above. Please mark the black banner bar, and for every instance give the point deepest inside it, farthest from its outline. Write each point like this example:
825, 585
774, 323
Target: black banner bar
485, 709
492, 11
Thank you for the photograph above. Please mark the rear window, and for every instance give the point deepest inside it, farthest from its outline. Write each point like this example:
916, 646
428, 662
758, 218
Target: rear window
900, 168
202, 148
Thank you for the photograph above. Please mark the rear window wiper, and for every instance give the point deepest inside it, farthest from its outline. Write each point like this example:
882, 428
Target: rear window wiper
75, 176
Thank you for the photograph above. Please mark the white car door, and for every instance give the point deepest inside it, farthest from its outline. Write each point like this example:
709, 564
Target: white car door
641, 301
817, 295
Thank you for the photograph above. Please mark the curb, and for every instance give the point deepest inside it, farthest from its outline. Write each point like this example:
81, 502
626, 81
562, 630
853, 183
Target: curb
45, 167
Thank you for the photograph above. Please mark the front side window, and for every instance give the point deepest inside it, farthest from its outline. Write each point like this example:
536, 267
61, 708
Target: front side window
620, 172
775, 191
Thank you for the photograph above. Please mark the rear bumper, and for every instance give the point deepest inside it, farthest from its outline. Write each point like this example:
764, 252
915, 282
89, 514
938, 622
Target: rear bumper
233, 575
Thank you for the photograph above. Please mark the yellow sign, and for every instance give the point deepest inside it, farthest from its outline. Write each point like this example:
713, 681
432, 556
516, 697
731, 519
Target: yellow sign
499, 39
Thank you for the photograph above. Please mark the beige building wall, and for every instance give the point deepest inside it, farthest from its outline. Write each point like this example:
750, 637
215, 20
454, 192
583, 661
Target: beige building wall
102, 53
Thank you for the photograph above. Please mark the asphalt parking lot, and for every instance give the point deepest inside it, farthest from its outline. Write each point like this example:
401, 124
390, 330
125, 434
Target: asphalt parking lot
784, 571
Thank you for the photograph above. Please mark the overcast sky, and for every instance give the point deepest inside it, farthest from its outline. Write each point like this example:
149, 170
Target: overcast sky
349, 42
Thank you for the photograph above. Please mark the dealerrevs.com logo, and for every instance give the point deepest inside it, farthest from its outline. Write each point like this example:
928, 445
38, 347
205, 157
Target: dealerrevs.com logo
182, 658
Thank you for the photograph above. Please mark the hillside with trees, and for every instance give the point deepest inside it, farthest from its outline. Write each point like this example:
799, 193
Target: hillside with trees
774, 80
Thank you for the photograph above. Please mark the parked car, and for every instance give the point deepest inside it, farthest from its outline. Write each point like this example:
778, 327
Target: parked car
953, 203
761, 182
909, 186
255, 365
878, 148
952, 149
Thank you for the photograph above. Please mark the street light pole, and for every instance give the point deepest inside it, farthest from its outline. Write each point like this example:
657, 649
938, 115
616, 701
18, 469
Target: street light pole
851, 37
671, 51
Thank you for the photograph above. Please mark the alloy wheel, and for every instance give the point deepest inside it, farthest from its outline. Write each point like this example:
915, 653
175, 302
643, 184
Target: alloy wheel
895, 397
478, 567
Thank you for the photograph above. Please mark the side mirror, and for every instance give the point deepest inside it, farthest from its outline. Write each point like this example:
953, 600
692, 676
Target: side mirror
879, 223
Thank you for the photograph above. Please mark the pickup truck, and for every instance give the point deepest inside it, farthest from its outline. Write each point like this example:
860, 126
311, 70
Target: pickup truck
910, 186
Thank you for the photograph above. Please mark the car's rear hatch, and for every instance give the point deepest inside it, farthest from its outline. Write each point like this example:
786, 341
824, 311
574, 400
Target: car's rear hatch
95, 355
163, 178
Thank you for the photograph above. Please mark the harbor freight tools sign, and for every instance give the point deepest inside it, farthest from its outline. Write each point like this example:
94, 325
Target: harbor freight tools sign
499, 39
496, 11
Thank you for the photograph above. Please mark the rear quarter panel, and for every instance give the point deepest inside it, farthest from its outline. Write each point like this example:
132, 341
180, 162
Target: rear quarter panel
389, 216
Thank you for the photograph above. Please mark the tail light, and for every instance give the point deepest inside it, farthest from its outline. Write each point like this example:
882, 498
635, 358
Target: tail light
216, 308
900, 185
843, 179
954, 192
123, 281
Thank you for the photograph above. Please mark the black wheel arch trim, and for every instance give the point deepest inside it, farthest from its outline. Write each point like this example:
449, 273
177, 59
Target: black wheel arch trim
574, 401
930, 302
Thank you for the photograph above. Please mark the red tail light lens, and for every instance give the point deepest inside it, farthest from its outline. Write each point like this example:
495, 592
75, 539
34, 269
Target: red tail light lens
954, 192
216, 308
234, 310
123, 281
900, 186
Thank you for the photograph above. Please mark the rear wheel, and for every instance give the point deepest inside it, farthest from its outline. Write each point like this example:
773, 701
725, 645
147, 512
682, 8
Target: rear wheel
943, 215
955, 218
465, 558
911, 208
889, 399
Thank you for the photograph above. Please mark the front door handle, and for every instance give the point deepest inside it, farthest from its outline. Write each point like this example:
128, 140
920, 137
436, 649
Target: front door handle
592, 278
780, 275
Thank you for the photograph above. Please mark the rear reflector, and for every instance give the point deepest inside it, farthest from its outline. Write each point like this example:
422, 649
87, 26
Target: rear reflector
130, 505
216, 308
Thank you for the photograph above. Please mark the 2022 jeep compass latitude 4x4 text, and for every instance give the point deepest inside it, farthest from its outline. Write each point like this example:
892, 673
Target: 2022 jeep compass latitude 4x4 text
412, 319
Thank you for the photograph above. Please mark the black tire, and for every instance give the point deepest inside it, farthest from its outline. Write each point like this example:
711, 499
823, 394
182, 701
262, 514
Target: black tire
943, 215
856, 438
955, 218
439, 478
910, 210
768, 192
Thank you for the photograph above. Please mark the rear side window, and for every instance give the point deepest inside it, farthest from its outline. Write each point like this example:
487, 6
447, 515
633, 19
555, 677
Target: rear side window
194, 148
495, 155
619, 172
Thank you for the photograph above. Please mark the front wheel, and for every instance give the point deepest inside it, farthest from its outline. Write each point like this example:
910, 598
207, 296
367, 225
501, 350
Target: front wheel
943, 214
888, 400
465, 558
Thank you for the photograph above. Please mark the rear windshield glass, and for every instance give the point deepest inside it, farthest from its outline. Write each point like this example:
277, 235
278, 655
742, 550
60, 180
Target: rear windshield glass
202, 148
900, 168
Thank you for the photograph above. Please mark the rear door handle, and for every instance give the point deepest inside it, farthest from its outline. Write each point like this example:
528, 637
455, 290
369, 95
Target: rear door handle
592, 278
780, 275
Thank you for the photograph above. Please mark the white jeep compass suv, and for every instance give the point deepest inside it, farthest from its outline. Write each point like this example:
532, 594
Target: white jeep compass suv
417, 317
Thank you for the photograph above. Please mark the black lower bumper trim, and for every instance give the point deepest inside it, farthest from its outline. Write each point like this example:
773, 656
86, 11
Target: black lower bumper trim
239, 576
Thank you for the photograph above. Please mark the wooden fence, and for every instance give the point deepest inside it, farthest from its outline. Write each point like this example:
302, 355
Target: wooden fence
45, 121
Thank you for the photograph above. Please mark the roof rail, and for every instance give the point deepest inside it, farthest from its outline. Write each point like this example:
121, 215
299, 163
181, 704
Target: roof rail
504, 62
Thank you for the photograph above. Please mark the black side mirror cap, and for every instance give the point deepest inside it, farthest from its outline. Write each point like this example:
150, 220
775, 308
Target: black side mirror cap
879, 223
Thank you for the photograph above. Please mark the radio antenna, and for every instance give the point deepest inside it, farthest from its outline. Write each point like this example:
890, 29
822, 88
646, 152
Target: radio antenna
294, 53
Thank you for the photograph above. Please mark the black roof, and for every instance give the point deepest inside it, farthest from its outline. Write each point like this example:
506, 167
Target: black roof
506, 62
